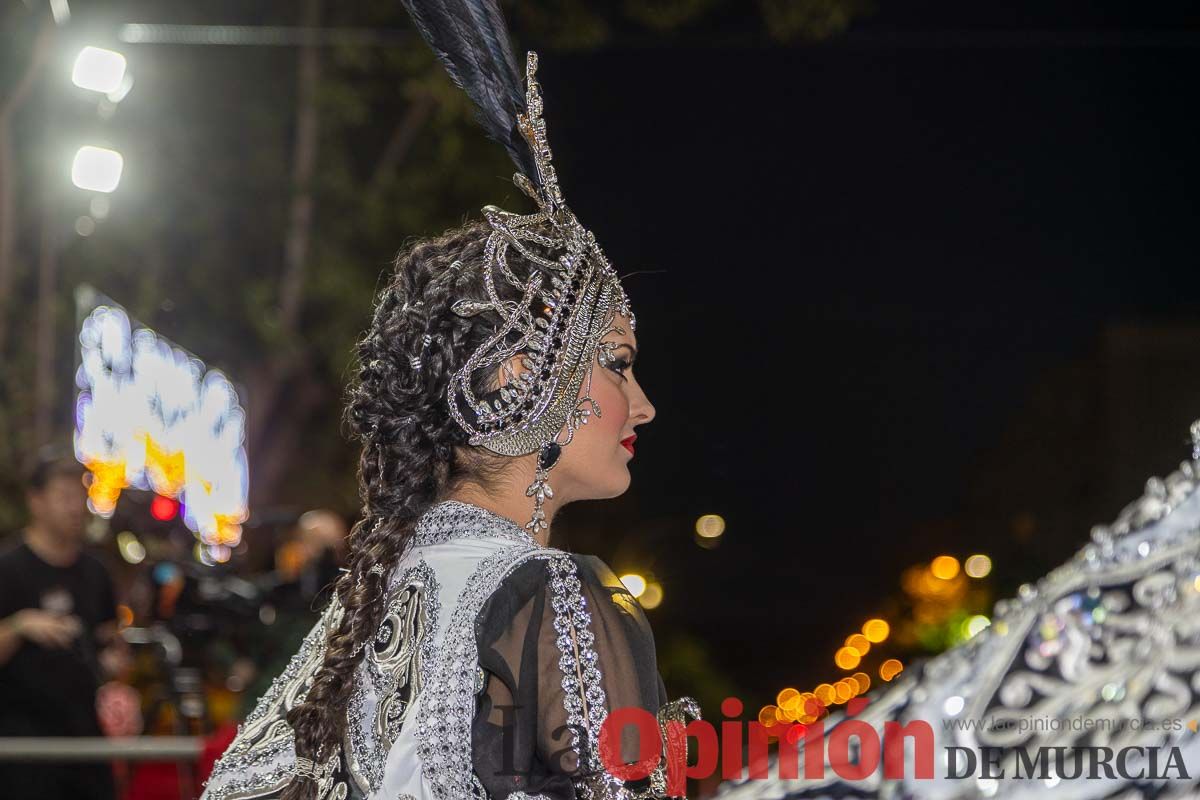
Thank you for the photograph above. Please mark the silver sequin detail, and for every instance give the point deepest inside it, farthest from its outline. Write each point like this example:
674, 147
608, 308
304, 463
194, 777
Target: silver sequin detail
583, 696
453, 519
394, 669
265, 738
447, 704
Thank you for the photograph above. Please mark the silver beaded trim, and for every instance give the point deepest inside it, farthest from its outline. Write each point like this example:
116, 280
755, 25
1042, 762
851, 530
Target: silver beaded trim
454, 519
394, 669
447, 704
265, 738
583, 696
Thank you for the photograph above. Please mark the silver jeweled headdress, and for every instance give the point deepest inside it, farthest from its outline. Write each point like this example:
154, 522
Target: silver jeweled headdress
539, 409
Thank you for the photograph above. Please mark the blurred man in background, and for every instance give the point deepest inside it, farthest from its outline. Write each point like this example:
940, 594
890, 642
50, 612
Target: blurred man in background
57, 630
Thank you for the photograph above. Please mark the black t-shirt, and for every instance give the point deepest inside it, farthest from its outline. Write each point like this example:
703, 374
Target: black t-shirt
52, 691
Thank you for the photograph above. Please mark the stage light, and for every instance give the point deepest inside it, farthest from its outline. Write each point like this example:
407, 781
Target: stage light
863, 680
635, 583
98, 70
97, 169
978, 566
890, 669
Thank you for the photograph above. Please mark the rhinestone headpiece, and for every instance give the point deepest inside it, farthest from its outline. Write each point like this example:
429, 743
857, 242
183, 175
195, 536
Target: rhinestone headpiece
580, 294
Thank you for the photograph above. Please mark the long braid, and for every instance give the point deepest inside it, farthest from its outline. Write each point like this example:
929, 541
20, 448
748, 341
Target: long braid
411, 450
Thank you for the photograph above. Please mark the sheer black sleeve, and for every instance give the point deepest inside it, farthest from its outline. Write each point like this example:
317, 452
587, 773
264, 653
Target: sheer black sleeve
562, 643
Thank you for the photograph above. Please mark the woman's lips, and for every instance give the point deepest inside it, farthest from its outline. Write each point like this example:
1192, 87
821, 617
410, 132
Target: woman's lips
627, 443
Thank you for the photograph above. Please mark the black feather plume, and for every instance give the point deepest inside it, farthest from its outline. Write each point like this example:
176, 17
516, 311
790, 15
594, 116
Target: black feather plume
471, 40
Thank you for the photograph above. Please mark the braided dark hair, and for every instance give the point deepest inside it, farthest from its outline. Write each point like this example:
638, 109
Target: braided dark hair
413, 452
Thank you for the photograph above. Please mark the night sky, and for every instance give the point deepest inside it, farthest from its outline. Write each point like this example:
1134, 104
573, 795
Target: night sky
872, 252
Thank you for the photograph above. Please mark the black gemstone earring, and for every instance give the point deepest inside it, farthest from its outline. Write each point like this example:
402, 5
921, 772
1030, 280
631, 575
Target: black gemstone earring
540, 489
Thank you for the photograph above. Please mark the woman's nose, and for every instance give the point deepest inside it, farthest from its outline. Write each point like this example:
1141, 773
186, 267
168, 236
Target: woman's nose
641, 409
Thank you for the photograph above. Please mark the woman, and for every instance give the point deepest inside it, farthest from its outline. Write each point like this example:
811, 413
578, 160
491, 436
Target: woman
462, 657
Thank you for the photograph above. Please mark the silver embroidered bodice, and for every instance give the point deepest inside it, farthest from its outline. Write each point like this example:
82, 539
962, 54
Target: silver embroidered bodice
409, 718
1084, 657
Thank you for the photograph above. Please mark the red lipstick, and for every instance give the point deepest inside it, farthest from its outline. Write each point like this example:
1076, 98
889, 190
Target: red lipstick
627, 443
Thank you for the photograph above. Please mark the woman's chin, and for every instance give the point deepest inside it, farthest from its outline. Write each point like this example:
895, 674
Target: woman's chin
615, 484
624, 479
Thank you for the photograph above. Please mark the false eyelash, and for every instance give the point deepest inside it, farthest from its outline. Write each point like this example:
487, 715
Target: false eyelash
619, 365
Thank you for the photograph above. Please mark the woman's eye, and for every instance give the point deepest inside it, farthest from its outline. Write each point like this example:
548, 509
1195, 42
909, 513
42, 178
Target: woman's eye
619, 365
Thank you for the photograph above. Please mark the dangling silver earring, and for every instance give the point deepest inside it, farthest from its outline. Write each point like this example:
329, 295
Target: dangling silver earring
540, 489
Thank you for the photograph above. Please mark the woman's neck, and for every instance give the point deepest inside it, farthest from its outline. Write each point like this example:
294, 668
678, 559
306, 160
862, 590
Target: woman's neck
513, 506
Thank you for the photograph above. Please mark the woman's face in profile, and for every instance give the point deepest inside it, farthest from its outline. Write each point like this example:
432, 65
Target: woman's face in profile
595, 465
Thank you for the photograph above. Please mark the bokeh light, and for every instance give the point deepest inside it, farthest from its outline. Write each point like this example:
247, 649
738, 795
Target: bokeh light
847, 658
653, 596
976, 625
98, 70
163, 509
635, 583
132, 550
858, 643
152, 417
876, 630
97, 169
977, 566
944, 568
710, 526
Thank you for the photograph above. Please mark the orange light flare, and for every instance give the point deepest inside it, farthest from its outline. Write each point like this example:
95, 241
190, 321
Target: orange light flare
789, 702
890, 669
767, 717
876, 630
944, 568
847, 658
104, 489
164, 468
229, 528
811, 709
859, 644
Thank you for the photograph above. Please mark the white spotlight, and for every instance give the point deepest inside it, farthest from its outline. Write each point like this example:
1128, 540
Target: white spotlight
98, 70
97, 169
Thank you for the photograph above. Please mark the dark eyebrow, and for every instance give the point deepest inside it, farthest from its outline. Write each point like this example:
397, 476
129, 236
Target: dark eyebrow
632, 350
